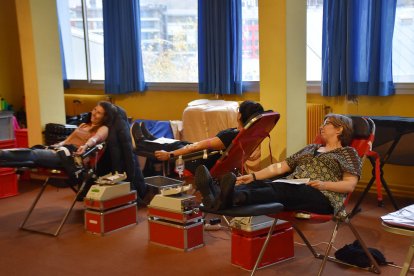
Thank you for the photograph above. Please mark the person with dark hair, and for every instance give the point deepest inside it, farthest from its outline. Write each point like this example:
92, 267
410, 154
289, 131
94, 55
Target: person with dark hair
329, 170
223, 139
85, 136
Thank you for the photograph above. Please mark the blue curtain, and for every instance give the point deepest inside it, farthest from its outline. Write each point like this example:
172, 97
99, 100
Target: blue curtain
124, 71
219, 47
62, 58
357, 47
62, 11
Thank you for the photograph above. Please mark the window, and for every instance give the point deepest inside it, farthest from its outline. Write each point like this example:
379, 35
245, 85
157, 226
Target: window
83, 53
250, 40
169, 40
403, 41
314, 40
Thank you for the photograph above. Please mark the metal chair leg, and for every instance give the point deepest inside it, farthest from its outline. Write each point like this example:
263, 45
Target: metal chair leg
29, 213
262, 251
408, 260
64, 219
328, 249
374, 265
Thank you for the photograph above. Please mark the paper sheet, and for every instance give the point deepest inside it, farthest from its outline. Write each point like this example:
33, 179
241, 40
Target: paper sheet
162, 140
296, 181
403, 217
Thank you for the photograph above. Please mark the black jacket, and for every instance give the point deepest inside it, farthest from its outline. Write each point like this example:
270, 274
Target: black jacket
119, 156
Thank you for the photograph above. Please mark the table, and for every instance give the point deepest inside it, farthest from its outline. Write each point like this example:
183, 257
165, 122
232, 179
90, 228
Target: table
394, 142
406, 232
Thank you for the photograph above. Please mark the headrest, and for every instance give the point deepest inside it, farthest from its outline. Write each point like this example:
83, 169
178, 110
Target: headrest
362, 129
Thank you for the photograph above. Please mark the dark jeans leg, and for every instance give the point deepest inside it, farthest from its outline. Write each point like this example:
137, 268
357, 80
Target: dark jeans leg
293, 197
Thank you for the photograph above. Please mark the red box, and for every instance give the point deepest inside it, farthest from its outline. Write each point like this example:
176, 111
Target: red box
8, 144
21, 138
180, 217
99, 222
110, 203
8, 182
246, 246
184, 237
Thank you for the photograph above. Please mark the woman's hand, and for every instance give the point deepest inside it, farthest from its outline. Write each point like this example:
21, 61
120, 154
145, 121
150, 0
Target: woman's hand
317, 184
244, 179
162, 155
81, 150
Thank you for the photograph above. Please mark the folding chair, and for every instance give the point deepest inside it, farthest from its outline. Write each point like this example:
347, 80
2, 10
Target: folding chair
83, 174
364, 130
364, 134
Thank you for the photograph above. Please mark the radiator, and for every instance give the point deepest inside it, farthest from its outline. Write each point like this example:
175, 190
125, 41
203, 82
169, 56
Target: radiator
315, 115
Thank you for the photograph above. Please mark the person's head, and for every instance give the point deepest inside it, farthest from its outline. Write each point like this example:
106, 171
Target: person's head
339, 127
102, 114
247, 109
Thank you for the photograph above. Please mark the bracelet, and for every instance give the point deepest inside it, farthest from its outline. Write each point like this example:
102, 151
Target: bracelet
254, 176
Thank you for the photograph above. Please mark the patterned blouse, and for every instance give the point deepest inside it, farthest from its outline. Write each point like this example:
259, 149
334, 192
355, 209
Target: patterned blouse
325, 166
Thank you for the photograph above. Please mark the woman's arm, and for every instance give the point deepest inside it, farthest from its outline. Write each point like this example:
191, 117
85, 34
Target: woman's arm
99, 137
346, 185
268, 172
212, 143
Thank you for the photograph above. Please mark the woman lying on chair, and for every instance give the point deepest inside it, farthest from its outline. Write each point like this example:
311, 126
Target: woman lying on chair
221, 141
60, 155
332, 168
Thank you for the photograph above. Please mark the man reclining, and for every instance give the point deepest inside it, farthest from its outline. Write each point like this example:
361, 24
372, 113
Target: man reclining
221, 141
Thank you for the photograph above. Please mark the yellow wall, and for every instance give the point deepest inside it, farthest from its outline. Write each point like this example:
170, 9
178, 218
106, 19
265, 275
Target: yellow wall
11, 81
151, 105
399, 178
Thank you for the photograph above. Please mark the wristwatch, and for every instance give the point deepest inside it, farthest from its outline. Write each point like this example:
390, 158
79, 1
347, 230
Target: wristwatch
171, 155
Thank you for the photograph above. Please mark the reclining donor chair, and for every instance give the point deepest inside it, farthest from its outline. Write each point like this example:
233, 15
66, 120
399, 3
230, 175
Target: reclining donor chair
241, 148
115, 155
364, 130
76, 175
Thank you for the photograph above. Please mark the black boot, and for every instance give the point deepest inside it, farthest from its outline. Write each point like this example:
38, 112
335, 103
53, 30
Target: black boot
203, 181
225, 199
136, 134
148, 135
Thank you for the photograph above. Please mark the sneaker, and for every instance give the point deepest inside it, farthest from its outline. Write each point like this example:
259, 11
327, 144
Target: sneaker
203, 181
148, 135
136, 134
225, 199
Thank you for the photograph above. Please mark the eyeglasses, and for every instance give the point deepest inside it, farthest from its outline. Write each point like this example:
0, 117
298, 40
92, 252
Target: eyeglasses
327, 122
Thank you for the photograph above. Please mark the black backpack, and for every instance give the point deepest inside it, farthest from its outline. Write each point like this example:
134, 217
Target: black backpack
354, 254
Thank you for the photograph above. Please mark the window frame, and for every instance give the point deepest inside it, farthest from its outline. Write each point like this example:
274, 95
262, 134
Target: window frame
248, 86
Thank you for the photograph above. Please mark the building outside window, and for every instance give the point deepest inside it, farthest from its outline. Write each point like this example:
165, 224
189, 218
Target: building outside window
168, 40
403, 41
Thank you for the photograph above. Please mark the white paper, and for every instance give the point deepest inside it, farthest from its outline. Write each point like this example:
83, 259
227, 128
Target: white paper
162, 140
403, 217
296, 181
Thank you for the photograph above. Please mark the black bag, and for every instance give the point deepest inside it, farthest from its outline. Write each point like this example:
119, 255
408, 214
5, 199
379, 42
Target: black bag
354, 254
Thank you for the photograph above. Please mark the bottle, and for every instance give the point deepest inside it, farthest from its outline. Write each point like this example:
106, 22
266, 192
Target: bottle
180, 166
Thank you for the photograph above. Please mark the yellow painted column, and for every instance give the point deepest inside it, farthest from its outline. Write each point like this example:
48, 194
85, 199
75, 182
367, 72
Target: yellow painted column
282, 28
41, 64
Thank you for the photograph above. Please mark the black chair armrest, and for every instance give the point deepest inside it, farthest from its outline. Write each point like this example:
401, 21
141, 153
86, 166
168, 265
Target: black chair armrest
90, 151
247, 210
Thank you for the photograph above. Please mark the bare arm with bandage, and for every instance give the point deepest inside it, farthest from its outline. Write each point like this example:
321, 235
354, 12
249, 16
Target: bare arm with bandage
212, 144
268, 172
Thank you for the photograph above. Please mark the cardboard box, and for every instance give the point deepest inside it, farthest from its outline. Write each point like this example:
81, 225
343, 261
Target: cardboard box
246, 246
